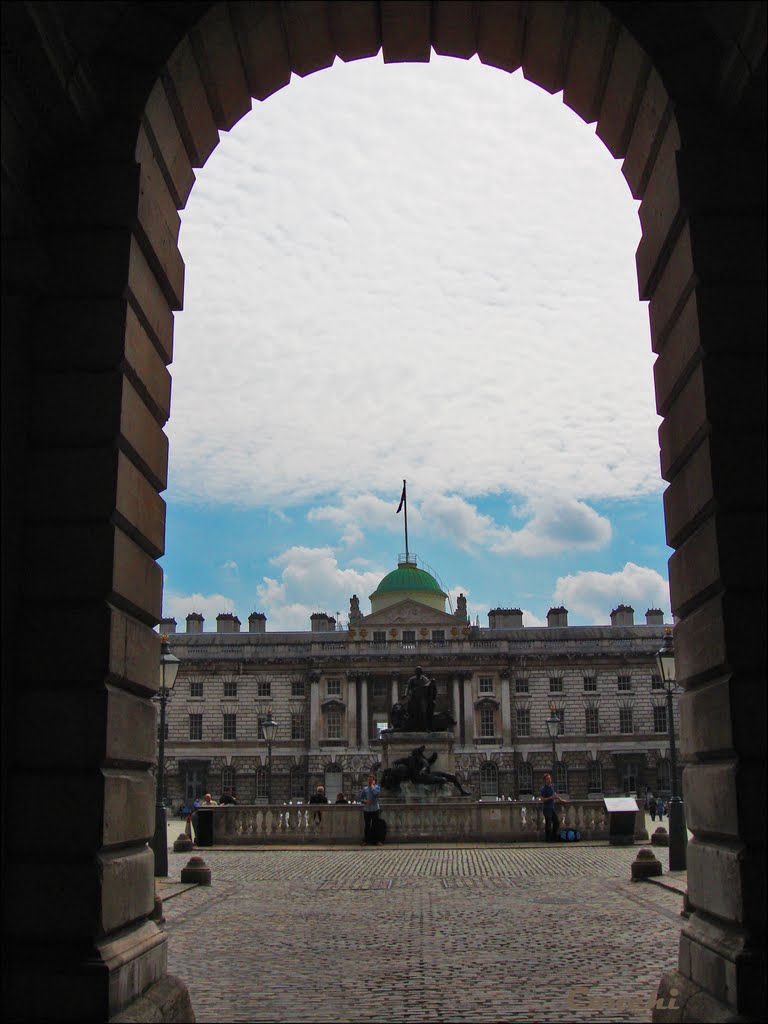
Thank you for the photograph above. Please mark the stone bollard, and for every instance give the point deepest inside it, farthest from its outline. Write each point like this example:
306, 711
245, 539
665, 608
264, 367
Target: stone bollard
198, 871
645, 865
660, 837
157, 911
183, 844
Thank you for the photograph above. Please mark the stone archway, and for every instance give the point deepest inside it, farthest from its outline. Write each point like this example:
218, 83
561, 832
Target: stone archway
110, 110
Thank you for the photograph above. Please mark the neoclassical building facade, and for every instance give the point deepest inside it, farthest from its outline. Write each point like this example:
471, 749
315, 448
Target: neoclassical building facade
331, 691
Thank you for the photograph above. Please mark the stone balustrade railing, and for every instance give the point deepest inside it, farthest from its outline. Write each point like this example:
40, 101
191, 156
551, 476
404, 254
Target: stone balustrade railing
505, 821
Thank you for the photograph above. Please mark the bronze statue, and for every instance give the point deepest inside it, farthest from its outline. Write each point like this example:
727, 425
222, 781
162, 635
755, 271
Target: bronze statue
420, 697
417, 768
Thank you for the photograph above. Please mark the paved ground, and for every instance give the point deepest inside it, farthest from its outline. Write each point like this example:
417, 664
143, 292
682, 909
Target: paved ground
456, 934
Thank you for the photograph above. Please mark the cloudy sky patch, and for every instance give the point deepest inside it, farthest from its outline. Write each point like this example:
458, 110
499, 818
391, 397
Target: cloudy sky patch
409, 271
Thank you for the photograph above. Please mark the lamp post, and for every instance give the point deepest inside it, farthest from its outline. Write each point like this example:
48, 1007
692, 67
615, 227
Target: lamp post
553, 728
269, 728
678, 836
169, 667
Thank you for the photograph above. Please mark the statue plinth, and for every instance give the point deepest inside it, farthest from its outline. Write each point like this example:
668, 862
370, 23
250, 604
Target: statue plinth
396, 745
400, 744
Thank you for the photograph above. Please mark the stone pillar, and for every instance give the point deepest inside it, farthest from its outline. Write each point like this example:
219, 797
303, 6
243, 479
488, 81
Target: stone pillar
395, 689
469, 713
506, 714
457, 705
314, 712
352, 740
364, 724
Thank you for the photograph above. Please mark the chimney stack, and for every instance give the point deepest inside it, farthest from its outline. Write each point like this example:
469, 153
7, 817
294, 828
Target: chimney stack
226, 622
624, 615
195, 622
167, 626
322, 623
557, 616
257, 622
654, 617
505, 618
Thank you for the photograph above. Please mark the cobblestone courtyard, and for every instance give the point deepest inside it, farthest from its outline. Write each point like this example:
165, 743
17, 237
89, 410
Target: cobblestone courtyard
398, 934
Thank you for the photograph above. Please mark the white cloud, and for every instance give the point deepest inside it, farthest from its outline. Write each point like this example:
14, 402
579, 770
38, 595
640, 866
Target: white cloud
311, 580
591, 596
554, 525
442, 292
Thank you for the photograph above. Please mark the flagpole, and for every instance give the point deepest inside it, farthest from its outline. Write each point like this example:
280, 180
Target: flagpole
405, 510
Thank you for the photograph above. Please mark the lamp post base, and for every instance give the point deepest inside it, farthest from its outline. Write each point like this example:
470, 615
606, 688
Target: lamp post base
160, 842
678, 836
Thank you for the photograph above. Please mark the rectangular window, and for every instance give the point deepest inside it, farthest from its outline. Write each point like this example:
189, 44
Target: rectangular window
659, 718
486, 684
333, 725
379, 636
195, 727
438, 636
560, 712
656, 683
298, 784
523, 722
298, 726
260, 731
625, 682
297, 688
230, 687
380, 688
555, 685
409, 636
487, 722
333, 688
625, 720
521, 685
196, 688
230, 727
590, 682
592, 721
264, 688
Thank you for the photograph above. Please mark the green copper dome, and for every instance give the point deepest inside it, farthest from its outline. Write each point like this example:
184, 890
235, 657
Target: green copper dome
407, 578
408, 581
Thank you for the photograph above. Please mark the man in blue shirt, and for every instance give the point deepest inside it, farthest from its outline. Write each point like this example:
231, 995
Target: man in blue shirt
549, 798
369, 797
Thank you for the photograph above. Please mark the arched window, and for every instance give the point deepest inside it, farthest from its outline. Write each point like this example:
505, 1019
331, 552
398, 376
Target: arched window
489, 779
595, 777
663, 777
261, 784
525, 775
298, 783
561, 777
227, 778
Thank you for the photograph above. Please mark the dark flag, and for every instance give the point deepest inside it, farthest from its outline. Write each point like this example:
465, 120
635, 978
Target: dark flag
402, 499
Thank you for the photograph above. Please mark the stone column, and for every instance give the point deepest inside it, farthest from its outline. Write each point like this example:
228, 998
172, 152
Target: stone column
352, 711
314, 712
506, 714
469, 713
457, 704
364, 725
395, 689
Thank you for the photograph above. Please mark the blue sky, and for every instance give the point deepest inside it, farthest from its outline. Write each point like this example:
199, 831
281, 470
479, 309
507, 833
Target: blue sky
421, 271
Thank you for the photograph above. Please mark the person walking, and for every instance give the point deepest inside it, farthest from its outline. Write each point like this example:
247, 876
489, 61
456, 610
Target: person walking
660, 808
369, 798
549, 798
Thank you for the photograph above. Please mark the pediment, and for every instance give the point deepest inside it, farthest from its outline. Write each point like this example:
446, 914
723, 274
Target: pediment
408, 613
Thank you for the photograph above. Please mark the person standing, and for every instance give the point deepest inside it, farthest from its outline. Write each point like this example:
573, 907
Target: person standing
227, 797
660, 808
550, 798
369, 798
319, 797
